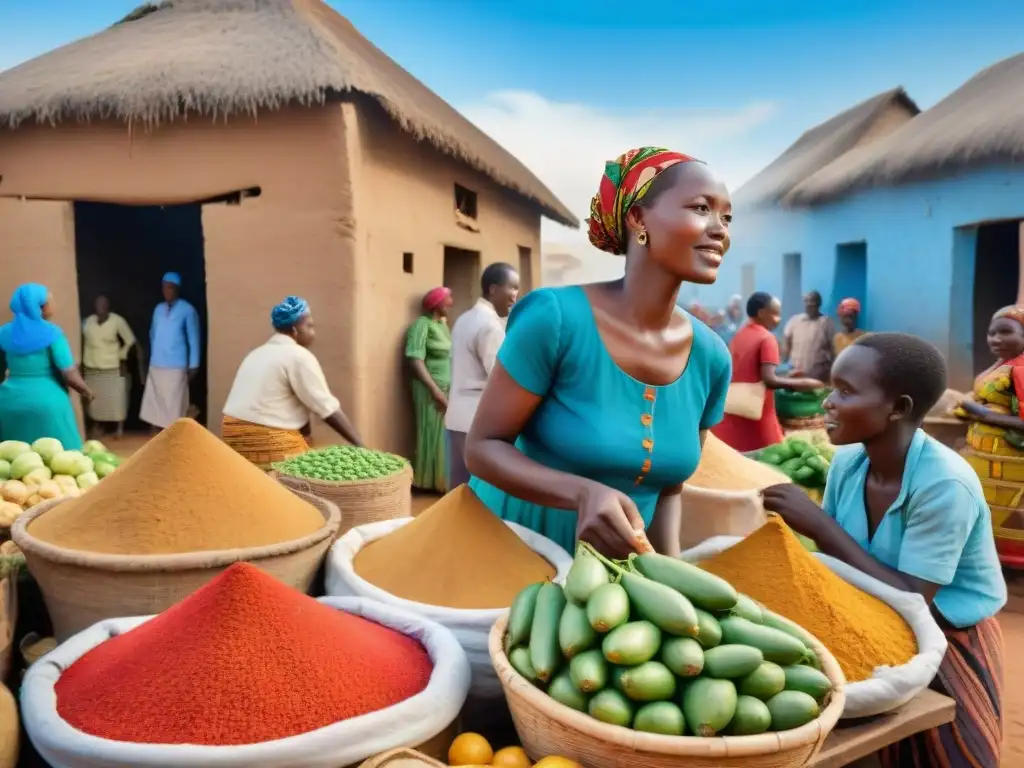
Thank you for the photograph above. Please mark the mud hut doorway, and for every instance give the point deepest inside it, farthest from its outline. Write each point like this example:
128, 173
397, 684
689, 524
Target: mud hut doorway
462, 276
996, 275
122, 251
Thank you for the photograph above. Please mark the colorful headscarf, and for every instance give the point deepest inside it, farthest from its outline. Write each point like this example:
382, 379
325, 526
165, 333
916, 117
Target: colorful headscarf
1012, 312
435, 298
289, 312
28, 332
848, 307
625, 182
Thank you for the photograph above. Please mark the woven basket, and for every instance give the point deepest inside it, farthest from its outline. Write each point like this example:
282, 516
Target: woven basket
546, 727
81, 588
360, 501
406, 758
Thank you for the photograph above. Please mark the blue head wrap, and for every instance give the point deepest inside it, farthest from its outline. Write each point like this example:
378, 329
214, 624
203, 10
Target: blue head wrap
173, 278
28, 332
288, 312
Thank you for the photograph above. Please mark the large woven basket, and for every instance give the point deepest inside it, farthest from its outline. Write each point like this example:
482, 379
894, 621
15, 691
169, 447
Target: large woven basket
81, 588
360, 501
546, 727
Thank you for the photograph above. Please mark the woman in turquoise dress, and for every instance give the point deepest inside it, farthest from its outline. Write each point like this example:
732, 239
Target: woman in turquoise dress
596, 410
428, 348
34, 398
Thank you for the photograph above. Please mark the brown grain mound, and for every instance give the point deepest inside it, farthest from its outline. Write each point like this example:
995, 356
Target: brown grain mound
723, 468
184, 491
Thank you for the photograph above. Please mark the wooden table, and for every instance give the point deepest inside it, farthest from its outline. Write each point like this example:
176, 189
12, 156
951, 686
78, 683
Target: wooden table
854, 739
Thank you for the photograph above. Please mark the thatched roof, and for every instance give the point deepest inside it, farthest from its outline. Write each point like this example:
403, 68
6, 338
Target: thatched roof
223, 57
980, 123
823, 144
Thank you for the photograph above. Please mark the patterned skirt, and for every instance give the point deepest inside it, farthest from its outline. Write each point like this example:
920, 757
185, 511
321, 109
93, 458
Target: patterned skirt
263, 446
972, 675
111, 394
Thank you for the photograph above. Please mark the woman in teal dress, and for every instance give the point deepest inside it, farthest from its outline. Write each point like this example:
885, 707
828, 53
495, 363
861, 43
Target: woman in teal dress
428, 349
596, 410
34, 398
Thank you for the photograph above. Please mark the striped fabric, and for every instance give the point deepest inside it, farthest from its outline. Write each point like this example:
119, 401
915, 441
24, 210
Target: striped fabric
971, 674
263, 446
110, 389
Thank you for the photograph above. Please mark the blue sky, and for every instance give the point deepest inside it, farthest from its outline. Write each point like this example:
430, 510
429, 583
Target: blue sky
565, 83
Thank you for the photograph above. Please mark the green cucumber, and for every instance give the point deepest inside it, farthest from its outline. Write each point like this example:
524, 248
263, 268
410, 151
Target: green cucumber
764, 682
808, 680
545, 655
747, 608
776, 621
520, 616
709, 705
519, 658
752, 717
791, 709
651, 681
608, 607
564, 692
632, 643
728, 662
589, 672
775, 644
586, 575
610, 706
683, 655
575, 634
709, 632
662, 717
703, 589
660, 605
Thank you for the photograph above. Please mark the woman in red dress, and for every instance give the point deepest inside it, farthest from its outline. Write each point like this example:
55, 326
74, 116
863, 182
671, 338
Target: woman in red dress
755, 355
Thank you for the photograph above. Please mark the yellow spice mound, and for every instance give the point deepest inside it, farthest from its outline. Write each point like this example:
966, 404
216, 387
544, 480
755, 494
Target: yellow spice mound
860, 630
722, 468
456, 554
184, 491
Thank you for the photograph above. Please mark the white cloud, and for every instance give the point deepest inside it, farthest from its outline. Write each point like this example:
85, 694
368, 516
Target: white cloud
566, 144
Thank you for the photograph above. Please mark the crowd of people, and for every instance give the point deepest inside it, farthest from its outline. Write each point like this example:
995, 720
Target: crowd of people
583, 416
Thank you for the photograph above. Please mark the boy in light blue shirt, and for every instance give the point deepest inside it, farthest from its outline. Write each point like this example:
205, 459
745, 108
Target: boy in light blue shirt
910, 512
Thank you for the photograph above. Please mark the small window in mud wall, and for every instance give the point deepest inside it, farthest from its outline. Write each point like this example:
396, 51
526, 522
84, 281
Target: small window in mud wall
465, 201
525, 269
407, 258
748, 281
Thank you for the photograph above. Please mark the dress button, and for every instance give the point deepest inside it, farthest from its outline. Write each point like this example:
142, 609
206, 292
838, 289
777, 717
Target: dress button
646, 419
648, 444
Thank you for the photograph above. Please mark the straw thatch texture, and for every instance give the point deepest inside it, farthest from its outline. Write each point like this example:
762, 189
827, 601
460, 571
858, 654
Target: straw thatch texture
821, 145
980, 123
224, 57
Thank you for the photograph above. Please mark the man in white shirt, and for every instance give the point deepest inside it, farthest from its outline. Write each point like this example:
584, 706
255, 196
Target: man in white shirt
476, 337
277, 387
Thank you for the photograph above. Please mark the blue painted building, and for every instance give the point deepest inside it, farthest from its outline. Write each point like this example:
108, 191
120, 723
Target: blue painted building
916, 215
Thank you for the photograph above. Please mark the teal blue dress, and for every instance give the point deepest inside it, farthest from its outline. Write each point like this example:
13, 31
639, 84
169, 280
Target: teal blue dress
34, 402
596, 421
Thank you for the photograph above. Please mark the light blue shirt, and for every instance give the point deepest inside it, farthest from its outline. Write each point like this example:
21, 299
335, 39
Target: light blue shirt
174, 336
939, 529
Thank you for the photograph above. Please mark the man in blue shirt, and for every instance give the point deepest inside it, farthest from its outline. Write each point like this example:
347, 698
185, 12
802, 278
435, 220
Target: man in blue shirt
174, 357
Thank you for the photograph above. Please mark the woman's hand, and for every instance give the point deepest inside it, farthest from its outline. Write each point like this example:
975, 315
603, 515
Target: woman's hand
609, 520
974, 409
87, 395
793, 505
440, 400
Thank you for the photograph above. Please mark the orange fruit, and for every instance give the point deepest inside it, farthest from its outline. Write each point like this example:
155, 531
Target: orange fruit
511, 757
470, 749
554, 761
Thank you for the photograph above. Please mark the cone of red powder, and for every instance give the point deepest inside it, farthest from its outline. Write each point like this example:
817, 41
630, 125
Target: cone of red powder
244, 659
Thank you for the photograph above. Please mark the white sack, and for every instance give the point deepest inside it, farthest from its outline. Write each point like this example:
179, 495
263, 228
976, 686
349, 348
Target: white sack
889, 687
407, 723
471, 627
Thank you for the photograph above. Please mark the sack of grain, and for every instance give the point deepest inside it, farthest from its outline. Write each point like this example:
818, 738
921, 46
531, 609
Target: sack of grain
722, 498
470, 626
411, 722
890, 687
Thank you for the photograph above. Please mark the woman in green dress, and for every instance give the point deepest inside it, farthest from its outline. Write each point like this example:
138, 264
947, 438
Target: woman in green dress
428, 348
34, 398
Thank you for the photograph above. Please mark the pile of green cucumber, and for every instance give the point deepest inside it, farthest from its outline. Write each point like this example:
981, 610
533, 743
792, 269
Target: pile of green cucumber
659, 645
804, 462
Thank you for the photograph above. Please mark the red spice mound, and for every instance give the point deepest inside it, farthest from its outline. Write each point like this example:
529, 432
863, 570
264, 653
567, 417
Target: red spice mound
242, 660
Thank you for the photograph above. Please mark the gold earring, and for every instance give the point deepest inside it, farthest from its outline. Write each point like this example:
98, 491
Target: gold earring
641, 237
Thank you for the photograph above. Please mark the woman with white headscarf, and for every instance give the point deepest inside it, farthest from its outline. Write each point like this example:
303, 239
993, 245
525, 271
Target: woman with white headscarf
277, 387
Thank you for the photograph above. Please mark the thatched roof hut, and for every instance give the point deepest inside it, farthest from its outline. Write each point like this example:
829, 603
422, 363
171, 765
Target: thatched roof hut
981, 123
223, 57
823, 144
